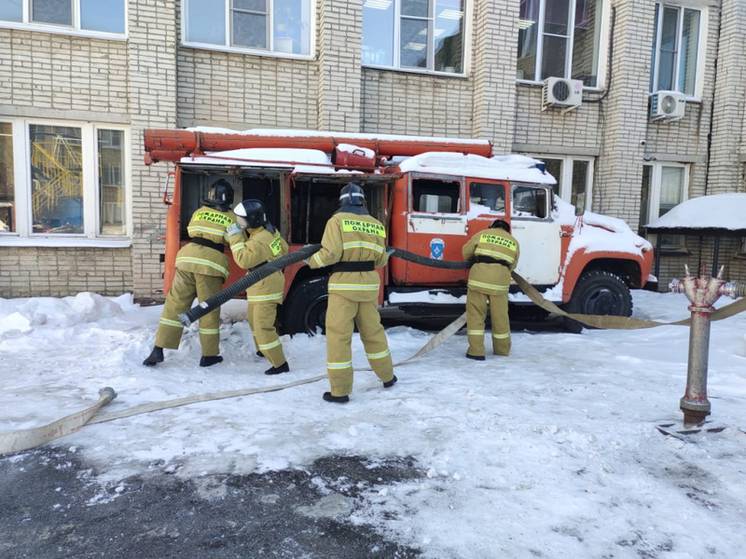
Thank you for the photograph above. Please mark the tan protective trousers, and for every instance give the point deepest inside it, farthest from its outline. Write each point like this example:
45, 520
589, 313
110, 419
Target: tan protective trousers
185, 287
476, 313
342, 316
262, 323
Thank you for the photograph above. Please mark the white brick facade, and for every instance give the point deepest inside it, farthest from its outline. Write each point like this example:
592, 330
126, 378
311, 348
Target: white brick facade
152, 80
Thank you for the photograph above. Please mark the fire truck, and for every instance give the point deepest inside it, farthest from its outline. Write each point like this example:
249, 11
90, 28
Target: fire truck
432, 194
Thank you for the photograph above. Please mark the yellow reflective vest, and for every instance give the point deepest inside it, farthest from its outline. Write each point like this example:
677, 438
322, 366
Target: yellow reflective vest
350, 237
260, 247
210, 224
491, 244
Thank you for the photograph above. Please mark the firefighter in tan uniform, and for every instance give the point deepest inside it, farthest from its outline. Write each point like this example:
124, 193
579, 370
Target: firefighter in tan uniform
263, 245
495, 254
354, 243
201, 269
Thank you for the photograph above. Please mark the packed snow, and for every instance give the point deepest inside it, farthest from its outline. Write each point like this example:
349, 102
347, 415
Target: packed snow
552, 451
719, 211
518, 168
300, 160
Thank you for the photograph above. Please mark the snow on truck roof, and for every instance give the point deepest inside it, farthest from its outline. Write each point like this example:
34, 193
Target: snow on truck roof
719, 211
517, 168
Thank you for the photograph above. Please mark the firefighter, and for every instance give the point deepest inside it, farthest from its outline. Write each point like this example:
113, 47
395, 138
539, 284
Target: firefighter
264, 244
354, 244
201, 269
495, 253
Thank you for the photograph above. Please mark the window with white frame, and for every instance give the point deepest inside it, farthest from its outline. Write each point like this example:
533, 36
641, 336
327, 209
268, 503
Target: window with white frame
664, 185
423, 35
560, 38
278, 26
574, 178
62, 180
676, 49
85, 16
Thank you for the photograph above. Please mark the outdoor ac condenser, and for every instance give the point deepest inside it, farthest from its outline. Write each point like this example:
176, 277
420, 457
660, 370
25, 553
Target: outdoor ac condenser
561, 92
667, 105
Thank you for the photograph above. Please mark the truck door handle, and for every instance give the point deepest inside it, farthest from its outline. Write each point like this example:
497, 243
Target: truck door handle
438, 217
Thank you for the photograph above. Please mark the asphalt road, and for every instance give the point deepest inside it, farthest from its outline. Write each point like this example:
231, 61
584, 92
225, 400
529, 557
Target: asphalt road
51, 506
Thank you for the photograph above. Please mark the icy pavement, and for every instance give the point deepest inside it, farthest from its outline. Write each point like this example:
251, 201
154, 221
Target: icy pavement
551, 451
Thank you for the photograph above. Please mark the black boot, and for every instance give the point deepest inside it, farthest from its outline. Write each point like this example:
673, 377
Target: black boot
284, 368
208, 360
390, 383
259, 354
155, 357
475, 357
336, 399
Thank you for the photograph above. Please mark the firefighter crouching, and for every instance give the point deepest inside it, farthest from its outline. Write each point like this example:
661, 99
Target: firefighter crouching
495, 253
354, 243
263, 245
201, 269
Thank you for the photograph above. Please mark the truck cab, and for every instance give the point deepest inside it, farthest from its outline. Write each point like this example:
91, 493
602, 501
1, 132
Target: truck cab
431, 194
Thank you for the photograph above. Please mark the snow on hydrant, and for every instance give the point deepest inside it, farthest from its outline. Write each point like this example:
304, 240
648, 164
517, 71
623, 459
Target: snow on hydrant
702, 293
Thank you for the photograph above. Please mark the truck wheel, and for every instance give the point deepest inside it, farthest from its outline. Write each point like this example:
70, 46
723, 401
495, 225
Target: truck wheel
598, 292
305, 308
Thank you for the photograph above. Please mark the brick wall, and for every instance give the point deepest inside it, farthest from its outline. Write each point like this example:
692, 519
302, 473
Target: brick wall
26, 272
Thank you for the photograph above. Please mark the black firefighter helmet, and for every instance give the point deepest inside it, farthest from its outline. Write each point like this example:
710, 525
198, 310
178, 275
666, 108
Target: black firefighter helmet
352, 194
500, 224
220, 195
251, 214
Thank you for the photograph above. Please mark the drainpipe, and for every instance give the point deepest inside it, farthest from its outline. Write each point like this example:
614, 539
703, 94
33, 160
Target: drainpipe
702, 293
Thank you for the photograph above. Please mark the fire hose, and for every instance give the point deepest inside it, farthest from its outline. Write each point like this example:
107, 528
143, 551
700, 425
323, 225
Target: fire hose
18, 441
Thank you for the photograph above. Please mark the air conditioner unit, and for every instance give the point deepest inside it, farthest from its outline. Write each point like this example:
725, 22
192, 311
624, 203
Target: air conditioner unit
667, 105
561, 92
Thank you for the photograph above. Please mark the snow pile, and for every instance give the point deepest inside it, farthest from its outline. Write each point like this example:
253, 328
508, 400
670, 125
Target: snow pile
434, 297
298, 133
552, 451
19, 316
300, 160
517, 168
719, 211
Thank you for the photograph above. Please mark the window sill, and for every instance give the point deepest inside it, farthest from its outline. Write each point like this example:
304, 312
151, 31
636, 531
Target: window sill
432, 73
60, 30
250, 52
532, 83
63, 242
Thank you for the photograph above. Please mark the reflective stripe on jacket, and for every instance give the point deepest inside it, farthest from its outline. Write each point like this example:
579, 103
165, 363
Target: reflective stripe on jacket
260, 247
497, 244
210, 224
351, 237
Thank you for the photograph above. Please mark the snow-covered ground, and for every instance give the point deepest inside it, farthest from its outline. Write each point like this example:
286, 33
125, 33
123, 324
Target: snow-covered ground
551, 451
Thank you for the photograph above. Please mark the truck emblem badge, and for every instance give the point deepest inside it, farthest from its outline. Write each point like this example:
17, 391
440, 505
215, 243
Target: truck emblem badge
437, 247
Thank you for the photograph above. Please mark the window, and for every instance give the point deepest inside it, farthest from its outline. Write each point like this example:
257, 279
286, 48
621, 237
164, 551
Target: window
664, 185
7, 186
434, 196
279, 26
71, 180
676, 49
426, 35
86, 16
560, 38
530, 202
574, 179
487, 198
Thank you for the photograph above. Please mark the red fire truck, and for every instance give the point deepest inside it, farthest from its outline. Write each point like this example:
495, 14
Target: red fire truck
431, 193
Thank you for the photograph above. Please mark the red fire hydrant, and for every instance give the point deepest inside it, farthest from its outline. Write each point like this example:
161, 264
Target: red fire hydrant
702, 293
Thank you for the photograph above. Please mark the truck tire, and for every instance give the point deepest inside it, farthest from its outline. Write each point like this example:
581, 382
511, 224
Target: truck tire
305, 308
598, 292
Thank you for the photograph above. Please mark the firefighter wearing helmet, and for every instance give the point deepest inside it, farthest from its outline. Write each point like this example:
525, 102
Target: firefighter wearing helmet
201, 269
254, 242
354, 244
495, 253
